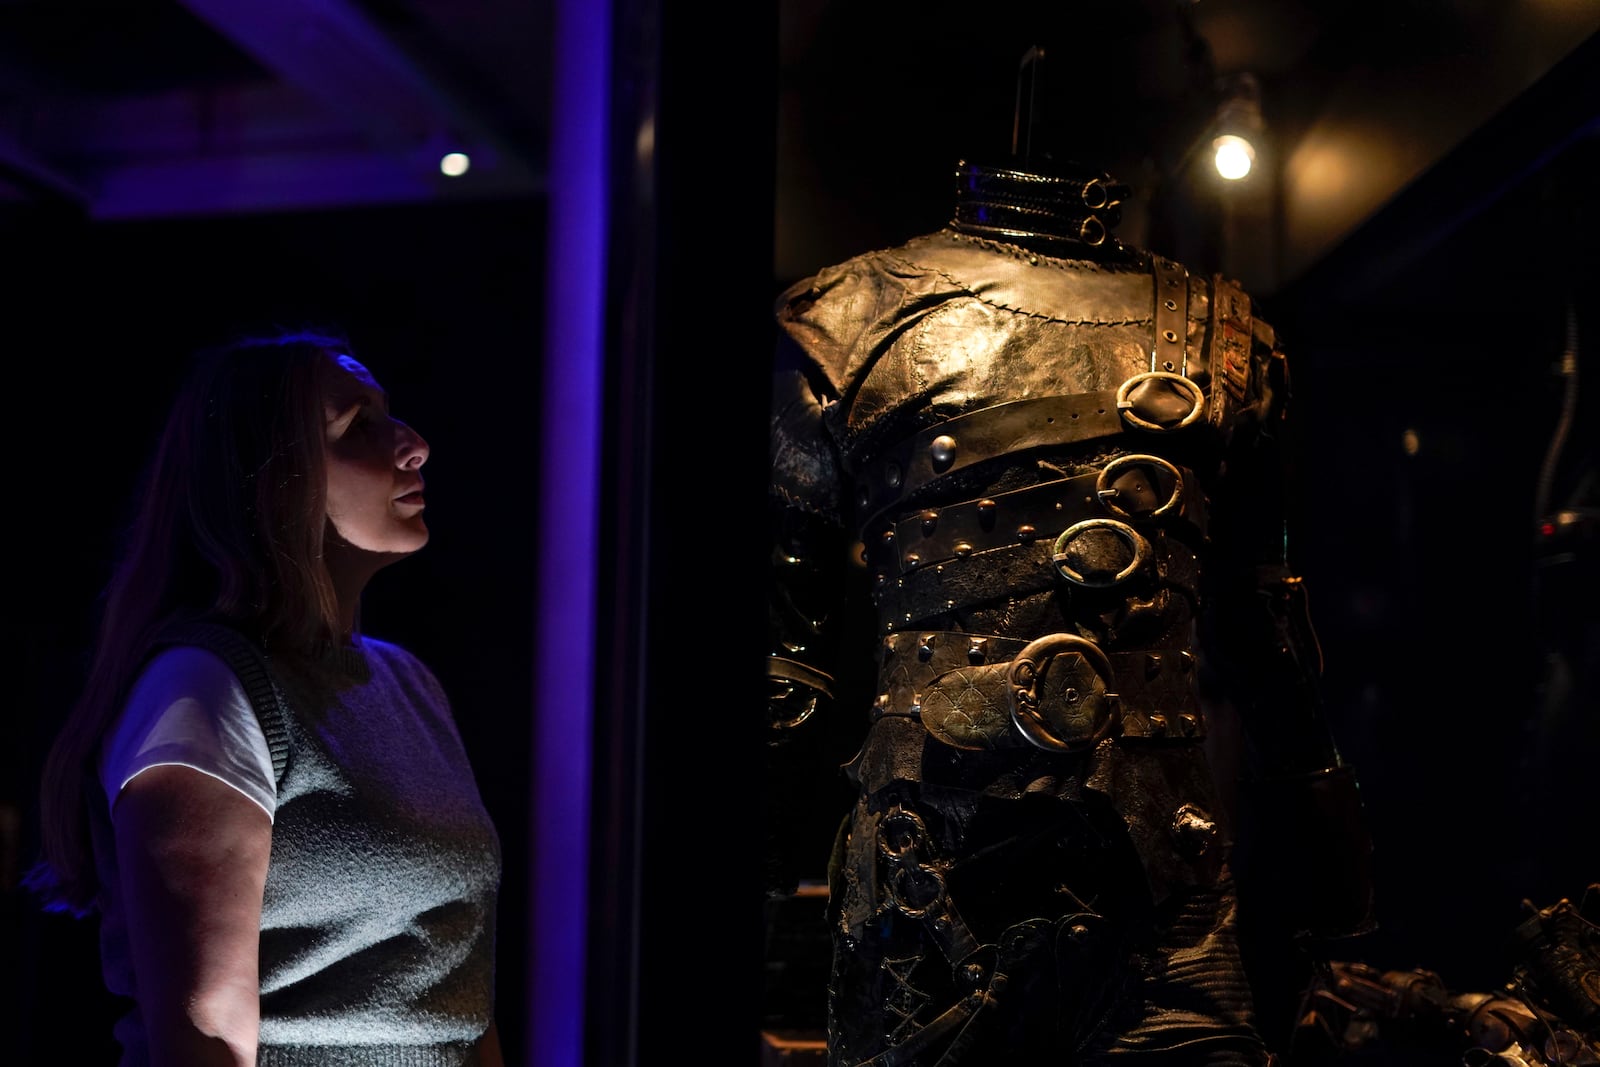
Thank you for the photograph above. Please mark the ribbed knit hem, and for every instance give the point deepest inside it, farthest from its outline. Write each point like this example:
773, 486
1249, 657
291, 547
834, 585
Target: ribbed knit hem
464, 1054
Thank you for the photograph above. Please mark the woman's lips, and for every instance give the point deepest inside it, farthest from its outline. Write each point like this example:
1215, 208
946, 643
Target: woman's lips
413, 499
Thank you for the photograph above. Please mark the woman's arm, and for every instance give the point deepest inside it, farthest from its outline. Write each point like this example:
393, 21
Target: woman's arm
193, 857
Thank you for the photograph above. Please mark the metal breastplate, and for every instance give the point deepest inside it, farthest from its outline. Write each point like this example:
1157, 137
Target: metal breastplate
1036, 558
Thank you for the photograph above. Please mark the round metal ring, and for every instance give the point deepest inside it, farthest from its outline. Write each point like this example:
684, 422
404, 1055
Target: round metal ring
1023, 675
1091, 231
1125, 406
900, 834
1141, 551
1095, 195
901, 879
1107, 498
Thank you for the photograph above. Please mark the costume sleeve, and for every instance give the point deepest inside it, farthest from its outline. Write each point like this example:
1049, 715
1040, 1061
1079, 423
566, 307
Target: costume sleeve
808, 606
1300, 794
187, 708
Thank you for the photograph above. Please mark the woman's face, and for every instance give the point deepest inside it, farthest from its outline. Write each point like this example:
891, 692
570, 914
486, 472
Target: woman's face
374, 464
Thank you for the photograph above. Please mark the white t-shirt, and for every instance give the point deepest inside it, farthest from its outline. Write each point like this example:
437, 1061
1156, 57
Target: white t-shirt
188, 708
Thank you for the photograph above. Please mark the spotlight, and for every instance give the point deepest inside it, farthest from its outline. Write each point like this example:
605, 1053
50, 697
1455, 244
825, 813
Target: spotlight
1234, 156
454, 164
1238, 127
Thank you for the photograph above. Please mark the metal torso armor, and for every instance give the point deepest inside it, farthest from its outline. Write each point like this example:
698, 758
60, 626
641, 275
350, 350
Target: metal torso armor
1034, 452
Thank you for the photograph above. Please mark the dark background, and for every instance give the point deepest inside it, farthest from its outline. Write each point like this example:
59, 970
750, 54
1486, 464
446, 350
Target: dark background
1461, 644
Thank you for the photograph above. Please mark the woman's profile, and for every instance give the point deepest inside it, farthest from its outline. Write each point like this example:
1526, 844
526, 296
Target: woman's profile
271, 811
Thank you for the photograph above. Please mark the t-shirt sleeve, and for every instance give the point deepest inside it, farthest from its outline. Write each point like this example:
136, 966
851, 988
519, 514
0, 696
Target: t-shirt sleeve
189, 709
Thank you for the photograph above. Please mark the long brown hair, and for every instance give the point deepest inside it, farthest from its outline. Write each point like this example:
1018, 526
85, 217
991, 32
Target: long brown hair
229, 525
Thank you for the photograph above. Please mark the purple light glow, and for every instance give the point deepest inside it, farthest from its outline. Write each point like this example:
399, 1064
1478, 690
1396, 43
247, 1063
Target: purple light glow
569, 446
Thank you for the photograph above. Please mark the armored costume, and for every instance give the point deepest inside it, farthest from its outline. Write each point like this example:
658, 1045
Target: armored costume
1058, 461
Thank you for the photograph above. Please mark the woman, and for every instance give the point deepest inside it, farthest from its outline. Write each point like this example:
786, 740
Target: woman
271, 811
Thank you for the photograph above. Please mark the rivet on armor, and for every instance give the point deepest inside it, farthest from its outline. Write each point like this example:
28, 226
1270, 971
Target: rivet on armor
962, 550
943, 450
1186, 661
908, 616
973, 972
881, 579
1158, 725
888, 537
925, 646
889, 648
986, 507
1189, 724
977, 649
892, 475
1077, 931
949, 605
1152, 665
1026, 532
916, 705
883, 700
912, 559
930, 519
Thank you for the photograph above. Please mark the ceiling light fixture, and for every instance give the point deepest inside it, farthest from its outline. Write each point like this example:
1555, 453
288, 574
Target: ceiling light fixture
1238, 128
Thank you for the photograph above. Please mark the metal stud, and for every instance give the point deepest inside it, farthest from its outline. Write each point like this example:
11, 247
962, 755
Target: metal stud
986, 507
930, 519
962, 550
888, 536
1188, 724
1158, 725
892, 475
943, 450
977, 649
912, 559
925, 647
1152, 665
1026, 532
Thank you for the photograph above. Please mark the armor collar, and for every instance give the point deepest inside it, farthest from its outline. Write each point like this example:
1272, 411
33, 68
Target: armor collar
1066, 209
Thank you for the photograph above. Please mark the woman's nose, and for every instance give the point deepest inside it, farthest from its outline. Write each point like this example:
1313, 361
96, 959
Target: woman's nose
411, 451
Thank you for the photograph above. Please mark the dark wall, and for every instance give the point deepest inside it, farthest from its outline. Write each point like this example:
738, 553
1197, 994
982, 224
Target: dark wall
1461, 634
444, 304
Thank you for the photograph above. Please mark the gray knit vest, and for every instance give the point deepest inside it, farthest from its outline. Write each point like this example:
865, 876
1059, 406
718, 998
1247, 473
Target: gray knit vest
377, 924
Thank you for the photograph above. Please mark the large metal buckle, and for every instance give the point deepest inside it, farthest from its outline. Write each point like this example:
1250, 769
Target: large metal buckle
1197, 401
1141, 552
1081, 719
1107, 495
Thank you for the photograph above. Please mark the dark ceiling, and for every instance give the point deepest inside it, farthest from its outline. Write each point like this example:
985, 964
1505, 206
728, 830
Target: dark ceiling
194, 107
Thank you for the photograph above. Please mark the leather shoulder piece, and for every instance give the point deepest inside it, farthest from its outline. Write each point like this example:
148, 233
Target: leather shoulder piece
1229, 338
249, 663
